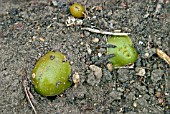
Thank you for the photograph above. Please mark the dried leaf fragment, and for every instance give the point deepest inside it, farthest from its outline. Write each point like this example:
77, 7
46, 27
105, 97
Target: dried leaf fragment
163, 55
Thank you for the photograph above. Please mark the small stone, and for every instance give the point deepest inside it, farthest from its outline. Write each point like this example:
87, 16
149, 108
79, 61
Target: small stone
18, 26
134, 104
76, 79
99, 54
95, 40
97, 71
146, 55
42, 39
81, 43
88, 49
140, 96
109, 13
161, 101
140, 42
71, 62
110, 67
158, 94
120, 89
140, 71
116, 95
156, 75
54, 2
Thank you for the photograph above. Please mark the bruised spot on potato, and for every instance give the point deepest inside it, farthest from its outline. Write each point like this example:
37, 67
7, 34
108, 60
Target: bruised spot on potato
57, 84
52, 57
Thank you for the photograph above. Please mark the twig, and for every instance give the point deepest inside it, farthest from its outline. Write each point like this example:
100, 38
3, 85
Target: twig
26, 90
104, 32
163, 55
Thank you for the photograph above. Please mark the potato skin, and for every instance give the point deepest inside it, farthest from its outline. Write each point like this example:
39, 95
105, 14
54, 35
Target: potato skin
77, 10
124, 53
50, 75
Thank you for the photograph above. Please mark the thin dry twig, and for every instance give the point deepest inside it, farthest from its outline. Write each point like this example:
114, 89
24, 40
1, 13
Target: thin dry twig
125, 67
104, 32
27, 92
163, 55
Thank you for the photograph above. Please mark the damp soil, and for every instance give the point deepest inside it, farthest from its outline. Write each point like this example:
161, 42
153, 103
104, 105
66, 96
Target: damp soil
29, 29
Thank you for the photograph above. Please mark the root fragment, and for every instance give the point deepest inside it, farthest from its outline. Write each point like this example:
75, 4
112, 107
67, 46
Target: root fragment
163, 55
104, 32
27, 92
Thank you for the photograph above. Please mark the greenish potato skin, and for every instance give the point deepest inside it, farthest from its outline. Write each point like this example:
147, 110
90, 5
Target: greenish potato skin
77, 10
124, 53
50, 76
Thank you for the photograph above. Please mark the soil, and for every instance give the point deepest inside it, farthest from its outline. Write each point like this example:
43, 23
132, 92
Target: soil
29, 29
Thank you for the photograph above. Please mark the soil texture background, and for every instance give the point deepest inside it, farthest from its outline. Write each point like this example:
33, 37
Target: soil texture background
29, 29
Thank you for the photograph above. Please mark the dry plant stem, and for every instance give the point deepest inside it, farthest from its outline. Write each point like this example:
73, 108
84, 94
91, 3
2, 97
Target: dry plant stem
125, 67
104, 32
163, 55
27, 92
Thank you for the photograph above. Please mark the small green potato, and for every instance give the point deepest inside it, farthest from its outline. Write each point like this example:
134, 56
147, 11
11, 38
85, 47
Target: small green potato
77, 10
50, 75
124, 53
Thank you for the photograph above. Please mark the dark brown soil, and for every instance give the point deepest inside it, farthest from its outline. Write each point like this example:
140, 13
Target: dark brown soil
28, 30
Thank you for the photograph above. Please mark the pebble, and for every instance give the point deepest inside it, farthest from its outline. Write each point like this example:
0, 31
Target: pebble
134, 104
99, 54
140, 71
109, 67
88, 49
116, 95
158, 94
76, 79
156, 75
95, 40
97, 71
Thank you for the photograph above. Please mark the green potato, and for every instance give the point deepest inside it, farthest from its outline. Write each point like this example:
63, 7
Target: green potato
50, 76
77, 10
124, 53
